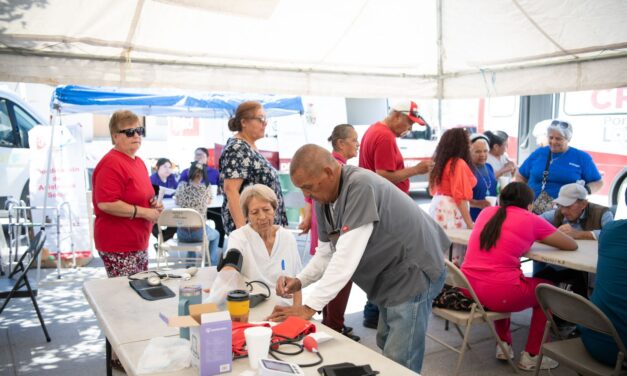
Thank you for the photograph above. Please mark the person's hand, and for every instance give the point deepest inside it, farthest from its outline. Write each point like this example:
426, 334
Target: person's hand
155, 204
424, 167
286, 286
482, 204
304, 226
149, 214
280, 313
509, 167
567, 229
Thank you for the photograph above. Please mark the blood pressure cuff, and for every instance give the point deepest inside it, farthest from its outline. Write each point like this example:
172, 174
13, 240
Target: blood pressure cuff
293, 328
233, 258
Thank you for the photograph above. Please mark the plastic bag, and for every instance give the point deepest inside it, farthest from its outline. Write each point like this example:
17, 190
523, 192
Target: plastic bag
227, 280
165, 354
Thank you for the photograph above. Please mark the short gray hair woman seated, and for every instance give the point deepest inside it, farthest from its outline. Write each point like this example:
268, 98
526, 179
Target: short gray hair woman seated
268, 251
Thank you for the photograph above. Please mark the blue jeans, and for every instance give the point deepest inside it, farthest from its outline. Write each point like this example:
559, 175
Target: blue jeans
194, 235
403, 327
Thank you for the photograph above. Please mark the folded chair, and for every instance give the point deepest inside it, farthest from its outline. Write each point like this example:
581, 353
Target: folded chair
476, 315
17, 284
571, 352
181, 217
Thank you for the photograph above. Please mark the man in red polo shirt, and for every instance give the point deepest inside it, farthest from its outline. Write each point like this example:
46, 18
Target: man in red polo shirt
379, 152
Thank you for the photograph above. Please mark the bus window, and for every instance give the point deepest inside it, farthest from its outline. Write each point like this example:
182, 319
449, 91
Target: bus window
419, 133
24, 123
7, 137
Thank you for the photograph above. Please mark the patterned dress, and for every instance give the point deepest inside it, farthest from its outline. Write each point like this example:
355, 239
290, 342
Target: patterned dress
240, 161
193, 197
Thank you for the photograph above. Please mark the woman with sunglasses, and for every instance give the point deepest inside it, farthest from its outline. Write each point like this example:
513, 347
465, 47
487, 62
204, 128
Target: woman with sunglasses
563, 164
123, 200
241, 165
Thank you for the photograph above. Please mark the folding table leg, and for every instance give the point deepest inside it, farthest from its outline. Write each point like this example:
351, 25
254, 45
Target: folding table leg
108, 357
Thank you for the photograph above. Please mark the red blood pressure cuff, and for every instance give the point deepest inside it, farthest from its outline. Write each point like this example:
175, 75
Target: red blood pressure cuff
292, 328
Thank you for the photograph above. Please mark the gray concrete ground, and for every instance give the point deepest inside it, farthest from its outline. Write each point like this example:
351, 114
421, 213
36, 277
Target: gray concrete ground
78, 346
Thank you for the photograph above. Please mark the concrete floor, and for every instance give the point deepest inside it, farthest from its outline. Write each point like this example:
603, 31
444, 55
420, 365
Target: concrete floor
77, 346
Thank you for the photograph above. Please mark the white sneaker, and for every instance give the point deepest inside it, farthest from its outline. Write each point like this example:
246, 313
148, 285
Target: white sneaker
499, 353
528, 362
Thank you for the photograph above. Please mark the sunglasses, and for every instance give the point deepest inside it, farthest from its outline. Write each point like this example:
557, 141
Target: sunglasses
140, 131
561, 124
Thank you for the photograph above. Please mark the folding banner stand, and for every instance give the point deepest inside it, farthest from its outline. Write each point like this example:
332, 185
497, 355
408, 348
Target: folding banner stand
58, 173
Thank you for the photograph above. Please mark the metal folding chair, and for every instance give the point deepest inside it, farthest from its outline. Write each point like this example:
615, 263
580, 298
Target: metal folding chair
571, 352
477, 314
181, 217
17, 284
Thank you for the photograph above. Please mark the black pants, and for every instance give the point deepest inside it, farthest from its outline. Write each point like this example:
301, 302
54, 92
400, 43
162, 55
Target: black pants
577, 279
168, 232
215, 214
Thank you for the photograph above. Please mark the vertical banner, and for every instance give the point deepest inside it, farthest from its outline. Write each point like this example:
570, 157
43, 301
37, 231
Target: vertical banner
67, 192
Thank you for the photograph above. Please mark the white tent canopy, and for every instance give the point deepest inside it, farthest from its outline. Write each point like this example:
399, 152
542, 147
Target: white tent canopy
354, 48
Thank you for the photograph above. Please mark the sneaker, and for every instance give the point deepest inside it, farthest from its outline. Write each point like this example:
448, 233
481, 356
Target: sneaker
527, 362
372, 324
346, 329
499, 353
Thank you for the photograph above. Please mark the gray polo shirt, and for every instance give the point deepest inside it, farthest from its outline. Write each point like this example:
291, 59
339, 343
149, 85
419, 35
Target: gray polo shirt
406, 248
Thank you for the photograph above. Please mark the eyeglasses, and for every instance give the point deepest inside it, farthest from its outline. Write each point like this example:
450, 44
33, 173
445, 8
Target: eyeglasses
262, 119
561, 124
140, 131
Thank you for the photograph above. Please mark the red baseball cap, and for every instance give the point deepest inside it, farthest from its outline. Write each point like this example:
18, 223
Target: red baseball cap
409, 108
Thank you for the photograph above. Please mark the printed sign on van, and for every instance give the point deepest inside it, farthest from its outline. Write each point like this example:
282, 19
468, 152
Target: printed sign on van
67, 200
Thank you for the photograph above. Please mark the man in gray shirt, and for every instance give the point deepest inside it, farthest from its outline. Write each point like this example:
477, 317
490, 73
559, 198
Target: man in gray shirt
373, 233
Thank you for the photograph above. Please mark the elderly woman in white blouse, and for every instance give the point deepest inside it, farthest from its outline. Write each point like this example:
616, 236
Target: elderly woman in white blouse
268, 250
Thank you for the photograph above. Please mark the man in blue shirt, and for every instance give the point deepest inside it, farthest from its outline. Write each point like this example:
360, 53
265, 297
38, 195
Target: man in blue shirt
609, 292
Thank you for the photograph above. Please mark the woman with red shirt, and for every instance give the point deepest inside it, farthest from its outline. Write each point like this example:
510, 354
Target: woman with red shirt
451, 182
123, 200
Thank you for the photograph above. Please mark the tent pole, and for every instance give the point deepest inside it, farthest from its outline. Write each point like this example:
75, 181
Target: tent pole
440, 84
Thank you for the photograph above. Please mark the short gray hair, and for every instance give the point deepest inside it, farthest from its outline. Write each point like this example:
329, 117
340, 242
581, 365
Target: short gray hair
260, 191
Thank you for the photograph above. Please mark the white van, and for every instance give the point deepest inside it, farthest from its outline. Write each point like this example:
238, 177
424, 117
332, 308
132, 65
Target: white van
16, 119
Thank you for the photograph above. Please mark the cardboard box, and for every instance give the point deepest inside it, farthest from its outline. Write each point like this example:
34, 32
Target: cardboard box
210, 335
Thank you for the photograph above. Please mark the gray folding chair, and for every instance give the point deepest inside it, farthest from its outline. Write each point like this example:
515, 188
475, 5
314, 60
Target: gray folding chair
571, 352
181, 217
17, 284
477, 314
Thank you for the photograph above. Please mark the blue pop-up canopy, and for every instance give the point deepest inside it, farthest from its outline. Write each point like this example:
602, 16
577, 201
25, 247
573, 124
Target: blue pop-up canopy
78, 99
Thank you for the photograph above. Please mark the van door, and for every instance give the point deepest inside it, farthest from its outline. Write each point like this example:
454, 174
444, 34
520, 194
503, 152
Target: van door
15, 123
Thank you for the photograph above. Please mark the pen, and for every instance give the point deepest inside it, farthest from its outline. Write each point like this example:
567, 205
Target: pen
283, 272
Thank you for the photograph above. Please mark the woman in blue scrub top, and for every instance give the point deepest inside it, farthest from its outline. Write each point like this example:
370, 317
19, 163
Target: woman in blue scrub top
566, 164
486, 180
